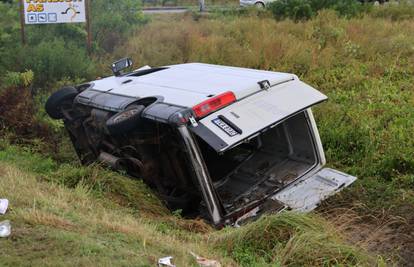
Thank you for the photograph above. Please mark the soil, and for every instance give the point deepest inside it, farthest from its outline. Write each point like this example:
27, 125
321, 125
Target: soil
381, 234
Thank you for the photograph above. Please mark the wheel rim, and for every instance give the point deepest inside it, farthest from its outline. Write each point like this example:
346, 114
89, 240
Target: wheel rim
259, 5
125, 115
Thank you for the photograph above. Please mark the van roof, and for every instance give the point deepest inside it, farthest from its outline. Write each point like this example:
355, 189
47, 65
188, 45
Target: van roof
192, 83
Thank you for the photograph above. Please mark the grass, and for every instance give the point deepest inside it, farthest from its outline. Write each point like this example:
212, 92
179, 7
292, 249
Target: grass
56, 223
291, 240
54, 226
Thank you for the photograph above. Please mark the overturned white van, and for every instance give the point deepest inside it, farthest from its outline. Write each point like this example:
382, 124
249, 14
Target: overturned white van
219, 142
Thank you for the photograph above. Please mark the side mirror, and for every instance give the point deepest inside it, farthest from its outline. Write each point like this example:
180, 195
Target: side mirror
120, 65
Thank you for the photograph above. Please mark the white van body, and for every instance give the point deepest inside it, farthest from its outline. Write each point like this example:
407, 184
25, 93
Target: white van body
246, 139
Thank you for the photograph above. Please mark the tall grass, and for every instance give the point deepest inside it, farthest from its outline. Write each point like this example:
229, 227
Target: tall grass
290, 239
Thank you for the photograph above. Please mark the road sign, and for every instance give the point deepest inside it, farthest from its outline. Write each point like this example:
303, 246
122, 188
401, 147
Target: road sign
45, 12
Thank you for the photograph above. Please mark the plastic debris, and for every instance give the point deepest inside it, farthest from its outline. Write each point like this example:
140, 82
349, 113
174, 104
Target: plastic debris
166, 261
5, 228
4, 204
205, 262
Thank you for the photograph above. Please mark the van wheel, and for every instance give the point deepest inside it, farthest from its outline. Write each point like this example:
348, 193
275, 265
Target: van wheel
57, 99
125, 121
259, 5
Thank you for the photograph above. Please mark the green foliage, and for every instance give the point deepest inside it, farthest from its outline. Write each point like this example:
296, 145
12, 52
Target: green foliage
25, 159
9, 35
112, 21
46, 58
16, 79
229, 13
306, 9
295, 9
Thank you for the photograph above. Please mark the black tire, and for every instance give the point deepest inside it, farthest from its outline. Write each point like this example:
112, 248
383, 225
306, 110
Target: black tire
259, 5
125, 121
55, 101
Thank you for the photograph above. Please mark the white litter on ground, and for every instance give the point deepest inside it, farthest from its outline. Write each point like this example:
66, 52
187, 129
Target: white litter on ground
166, 261
4, 204
5, 228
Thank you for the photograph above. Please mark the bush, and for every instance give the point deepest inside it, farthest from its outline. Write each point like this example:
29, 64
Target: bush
112, 21
15, 79
305, 9
294, 9
54, 60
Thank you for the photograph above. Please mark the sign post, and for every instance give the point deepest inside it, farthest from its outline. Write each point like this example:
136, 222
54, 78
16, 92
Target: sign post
22, 33
52, 12
88, 26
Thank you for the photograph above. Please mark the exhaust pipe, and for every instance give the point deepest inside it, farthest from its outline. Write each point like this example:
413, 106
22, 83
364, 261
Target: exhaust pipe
112, 161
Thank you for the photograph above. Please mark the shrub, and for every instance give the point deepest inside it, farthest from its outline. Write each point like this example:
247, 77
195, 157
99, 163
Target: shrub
54, 60
15, 79
305, 9
294, 9
112, 21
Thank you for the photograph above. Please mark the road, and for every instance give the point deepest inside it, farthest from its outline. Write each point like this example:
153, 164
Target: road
164, 10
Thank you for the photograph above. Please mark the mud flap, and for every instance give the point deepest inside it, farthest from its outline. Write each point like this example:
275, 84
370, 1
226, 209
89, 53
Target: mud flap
305, 195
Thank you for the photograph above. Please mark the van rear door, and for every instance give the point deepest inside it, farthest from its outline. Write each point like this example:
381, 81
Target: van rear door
249, 116
305, 194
